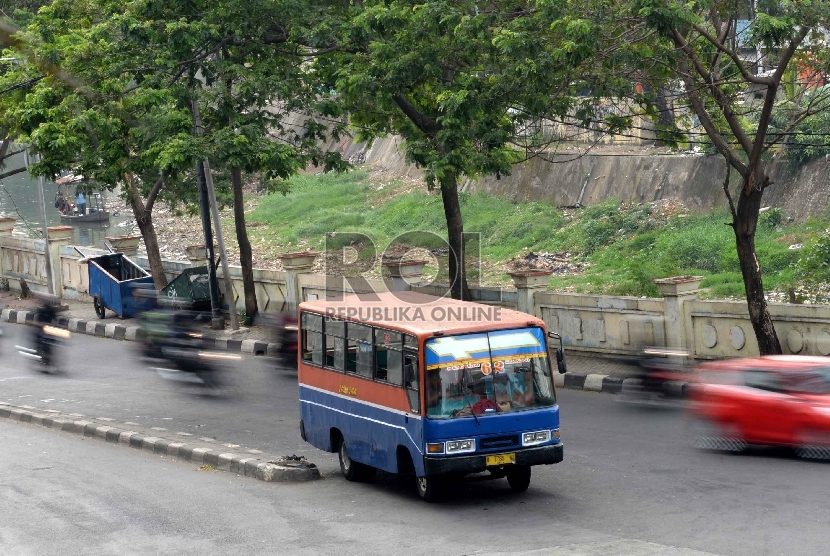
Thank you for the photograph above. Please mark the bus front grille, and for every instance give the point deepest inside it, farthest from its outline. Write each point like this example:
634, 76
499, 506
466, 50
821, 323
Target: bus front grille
498, 442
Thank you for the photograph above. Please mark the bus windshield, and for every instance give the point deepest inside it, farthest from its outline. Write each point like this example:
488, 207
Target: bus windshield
487, 373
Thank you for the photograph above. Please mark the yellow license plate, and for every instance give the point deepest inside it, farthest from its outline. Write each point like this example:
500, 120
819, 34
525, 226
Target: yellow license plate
500, 459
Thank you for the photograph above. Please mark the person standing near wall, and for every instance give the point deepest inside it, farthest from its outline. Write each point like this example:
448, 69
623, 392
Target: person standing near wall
80, 201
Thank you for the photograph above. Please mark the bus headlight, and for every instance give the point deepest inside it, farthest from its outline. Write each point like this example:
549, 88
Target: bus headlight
461, 446
534, 438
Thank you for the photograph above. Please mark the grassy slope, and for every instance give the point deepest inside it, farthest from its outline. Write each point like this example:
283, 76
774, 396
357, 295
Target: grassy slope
625, 246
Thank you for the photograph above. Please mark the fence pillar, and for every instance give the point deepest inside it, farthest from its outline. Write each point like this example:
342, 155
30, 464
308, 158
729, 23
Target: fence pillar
125, 244
59, 236
676, 291
6, 228
197, 254
403, 273
295, 264
527, 283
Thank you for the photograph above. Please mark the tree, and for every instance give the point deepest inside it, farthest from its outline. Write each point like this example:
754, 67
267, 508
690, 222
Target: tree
258, 82
120, 110
457, 80
707, 54
87, 115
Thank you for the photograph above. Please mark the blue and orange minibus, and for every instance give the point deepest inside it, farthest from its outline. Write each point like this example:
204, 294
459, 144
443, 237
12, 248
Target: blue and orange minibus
438, 388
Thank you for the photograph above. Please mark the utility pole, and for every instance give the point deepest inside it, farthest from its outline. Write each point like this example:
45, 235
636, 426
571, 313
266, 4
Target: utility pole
226, 275
217, 322
44, 227
209, 200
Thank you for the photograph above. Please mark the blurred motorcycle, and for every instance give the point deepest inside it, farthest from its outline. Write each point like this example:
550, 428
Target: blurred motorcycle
46, 341
178, 351
657, 369
46, 337
285, 332
287, 352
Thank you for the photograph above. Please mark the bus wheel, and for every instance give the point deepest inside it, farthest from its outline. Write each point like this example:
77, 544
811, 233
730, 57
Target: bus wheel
352, 470
519, 478
429, 488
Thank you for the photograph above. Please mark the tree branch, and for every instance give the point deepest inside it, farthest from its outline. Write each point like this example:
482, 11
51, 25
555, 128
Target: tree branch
720, 143
769, 99
135, 197
733, 56
157, 188
12, 172
729, 195
723, 102
427, 125
823, 102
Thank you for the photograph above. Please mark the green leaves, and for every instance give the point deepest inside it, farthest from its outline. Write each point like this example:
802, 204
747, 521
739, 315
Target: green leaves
145, 62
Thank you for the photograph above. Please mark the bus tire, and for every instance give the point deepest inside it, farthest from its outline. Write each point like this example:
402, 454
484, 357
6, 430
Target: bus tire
352, 470
429, 488
519, 478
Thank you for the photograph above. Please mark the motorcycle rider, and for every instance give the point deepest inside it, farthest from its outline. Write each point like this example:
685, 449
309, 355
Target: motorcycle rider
44, 315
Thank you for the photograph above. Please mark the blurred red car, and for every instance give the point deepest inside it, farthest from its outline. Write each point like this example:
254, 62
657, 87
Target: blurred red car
776, 400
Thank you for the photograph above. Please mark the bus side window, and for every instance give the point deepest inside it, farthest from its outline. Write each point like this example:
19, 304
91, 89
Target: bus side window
335, 344
312, 338
360, 349
410, 381
388, 357
394, 367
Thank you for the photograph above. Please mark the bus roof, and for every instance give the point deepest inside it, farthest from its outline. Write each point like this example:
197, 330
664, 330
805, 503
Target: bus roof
421, 314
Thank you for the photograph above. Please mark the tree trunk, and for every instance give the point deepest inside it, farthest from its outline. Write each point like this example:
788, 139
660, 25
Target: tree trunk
151, 242
665, 118
144, 219
745, 223
245, 256
455, 233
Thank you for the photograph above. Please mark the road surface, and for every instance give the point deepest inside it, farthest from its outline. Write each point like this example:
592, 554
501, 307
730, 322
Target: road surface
629, 483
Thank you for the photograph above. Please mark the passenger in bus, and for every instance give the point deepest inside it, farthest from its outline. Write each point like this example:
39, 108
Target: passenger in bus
448, 395
514, 389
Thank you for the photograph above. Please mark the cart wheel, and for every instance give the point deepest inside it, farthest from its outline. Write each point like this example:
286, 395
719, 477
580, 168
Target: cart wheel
100, 310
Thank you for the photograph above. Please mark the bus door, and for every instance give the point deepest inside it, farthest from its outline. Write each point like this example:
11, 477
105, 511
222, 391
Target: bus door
412, 385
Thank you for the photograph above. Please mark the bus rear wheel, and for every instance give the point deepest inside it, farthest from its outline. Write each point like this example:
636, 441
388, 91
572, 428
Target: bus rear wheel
352, 470
519, 478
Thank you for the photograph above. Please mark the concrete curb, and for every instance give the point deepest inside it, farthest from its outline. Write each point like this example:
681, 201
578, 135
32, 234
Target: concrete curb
267, 471
134, 333
611, 384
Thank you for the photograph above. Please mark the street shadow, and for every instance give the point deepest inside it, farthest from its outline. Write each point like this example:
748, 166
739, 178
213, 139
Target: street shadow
471, 491
764, 452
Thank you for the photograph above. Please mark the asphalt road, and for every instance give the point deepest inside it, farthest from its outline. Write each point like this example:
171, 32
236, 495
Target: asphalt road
629, 483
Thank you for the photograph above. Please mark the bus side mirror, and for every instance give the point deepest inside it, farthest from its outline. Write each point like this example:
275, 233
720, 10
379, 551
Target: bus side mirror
560, 353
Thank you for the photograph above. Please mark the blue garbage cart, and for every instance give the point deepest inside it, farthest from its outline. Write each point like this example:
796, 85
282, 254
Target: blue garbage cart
113, 279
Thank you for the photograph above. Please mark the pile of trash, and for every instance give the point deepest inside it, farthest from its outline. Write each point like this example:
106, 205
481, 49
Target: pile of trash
559, 263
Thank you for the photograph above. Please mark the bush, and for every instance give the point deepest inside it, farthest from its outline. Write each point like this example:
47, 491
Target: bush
772, 218
813, 266
697, 247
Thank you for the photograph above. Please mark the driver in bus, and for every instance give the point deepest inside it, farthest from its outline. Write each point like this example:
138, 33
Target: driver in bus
514, 388
444, 404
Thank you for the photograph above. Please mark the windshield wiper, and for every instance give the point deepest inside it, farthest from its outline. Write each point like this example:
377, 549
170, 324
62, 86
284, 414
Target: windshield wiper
473, 413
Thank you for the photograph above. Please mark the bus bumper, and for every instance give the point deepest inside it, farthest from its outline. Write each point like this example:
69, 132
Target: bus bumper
543, 455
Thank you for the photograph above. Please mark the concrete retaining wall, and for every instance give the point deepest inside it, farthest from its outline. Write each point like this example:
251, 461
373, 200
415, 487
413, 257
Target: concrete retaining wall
695, 180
